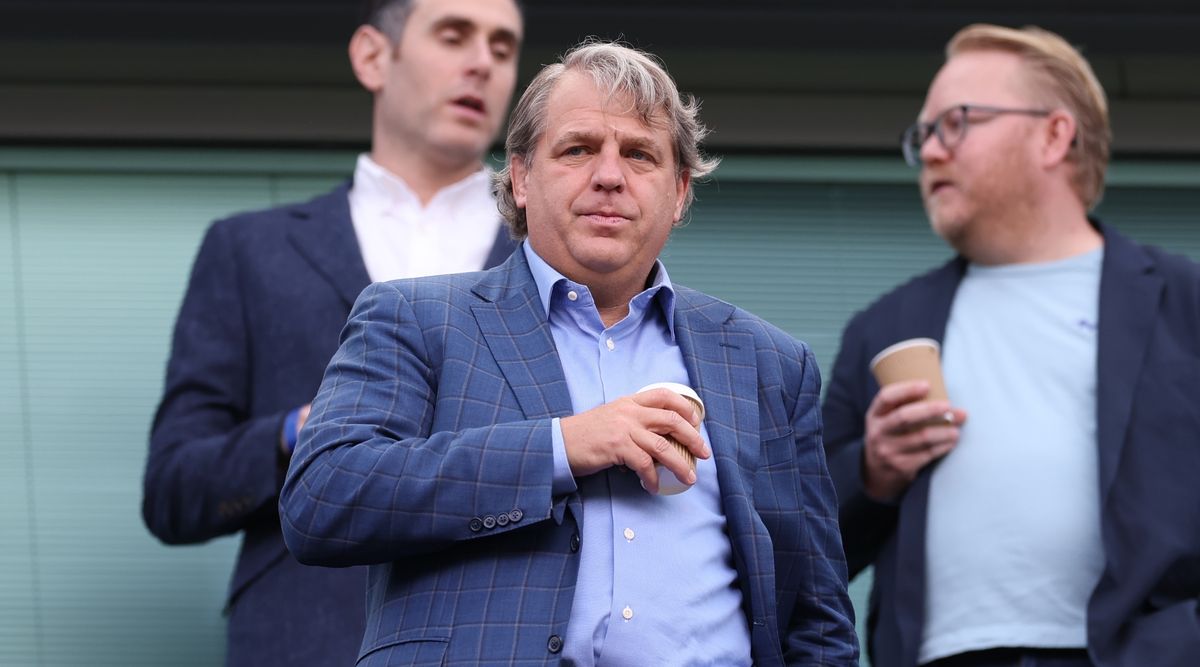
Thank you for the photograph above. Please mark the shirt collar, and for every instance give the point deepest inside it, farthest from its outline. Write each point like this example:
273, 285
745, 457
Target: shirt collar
661, 290
380, 185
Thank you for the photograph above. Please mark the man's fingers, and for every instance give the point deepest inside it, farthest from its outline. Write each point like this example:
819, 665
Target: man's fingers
665, 453
894, 395
665, 399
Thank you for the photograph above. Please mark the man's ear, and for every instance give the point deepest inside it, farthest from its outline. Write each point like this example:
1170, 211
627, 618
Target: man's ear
1059, 137
682, 185
370, 56
518, 172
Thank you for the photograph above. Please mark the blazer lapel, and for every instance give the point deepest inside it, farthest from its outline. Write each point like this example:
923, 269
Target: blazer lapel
722, 367
1129, 295
514, 327
321, 231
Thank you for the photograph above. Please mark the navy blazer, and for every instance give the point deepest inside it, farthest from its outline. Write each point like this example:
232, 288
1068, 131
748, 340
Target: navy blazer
428, 454
1144, 610
269, 293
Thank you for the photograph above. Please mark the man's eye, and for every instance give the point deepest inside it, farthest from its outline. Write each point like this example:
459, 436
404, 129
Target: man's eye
501, 52
451, 37
575, 151
638, 155
953, 121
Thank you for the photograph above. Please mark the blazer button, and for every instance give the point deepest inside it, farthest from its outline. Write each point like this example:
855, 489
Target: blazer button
476, 525
502, 519
554, 645
516, 515
489, 522
575, 543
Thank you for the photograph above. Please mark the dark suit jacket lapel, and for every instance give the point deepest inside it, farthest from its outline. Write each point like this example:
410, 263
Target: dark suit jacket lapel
722, 367
323, 234
1129, 298
926, 312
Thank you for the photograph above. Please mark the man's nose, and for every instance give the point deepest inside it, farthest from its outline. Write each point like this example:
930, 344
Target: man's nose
480, 58
933, 149
608, 172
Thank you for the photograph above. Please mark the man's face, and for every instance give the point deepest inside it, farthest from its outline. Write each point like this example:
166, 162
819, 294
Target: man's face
601, 189
450, 79
988, 176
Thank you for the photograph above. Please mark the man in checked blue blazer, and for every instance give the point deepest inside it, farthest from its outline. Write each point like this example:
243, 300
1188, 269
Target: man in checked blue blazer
481, 441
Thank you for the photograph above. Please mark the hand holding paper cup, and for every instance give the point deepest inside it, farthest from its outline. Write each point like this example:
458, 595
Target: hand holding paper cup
912, 359
668, 483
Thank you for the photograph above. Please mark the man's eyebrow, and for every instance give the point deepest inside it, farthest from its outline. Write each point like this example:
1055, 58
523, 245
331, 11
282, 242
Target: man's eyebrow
575, 136
465, 24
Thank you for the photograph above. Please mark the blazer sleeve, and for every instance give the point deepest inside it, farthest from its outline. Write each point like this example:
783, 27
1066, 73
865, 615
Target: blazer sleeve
211, 468
865, 524
370, 482
821, 626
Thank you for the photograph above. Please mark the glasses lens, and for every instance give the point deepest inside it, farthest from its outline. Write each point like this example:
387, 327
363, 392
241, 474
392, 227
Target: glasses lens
952, 126
910, 145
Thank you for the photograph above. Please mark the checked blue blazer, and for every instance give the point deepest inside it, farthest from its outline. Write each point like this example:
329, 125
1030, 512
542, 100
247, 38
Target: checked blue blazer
428, 455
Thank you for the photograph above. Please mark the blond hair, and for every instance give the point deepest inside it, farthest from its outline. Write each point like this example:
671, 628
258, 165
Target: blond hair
1058, 71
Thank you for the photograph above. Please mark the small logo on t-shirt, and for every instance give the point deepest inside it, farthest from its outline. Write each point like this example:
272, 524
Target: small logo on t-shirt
1086, 324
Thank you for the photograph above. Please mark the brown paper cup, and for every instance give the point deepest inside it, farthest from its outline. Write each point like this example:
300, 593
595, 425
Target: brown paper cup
912, 359
668, 484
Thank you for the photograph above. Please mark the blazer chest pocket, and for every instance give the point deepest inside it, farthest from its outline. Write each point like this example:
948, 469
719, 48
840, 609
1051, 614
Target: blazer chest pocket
427, 652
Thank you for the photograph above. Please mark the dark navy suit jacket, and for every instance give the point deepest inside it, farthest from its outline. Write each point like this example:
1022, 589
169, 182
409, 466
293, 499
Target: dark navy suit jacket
1144, 610
428, 455
269, 293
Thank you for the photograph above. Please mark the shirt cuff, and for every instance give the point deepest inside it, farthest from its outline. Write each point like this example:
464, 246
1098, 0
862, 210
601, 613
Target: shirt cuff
564, 481
290, 432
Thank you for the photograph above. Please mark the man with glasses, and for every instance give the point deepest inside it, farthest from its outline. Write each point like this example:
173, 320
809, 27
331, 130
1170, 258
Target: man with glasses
1057, 525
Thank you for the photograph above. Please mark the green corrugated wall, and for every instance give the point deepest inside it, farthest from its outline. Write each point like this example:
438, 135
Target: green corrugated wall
95, 248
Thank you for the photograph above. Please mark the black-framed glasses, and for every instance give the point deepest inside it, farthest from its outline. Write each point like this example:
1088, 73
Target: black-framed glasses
950, 126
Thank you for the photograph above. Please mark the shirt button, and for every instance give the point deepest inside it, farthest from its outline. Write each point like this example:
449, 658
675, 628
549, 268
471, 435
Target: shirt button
572, 295
629, 534
627, 613
610, 344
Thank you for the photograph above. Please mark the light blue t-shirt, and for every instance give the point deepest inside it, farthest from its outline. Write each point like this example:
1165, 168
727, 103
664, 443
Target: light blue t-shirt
1013, 546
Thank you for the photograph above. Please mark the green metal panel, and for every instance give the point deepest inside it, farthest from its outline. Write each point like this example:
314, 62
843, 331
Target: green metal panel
104, 258
95, 247
19, 604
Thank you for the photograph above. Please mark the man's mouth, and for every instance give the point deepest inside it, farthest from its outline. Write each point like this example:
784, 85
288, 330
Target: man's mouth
471, 102
937, 185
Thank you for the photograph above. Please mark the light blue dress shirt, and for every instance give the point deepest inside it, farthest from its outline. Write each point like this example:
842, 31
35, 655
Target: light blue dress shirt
657, 583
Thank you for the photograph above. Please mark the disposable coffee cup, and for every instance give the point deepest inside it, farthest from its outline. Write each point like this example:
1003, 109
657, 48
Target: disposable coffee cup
668, 483
912, 359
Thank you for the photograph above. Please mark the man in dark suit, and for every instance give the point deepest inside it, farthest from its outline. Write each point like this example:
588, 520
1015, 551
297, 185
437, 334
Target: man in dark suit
468, 425
271, 290
1037, 517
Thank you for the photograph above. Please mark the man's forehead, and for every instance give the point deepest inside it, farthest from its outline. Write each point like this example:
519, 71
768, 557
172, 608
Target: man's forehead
576, 100
990, 77
502, 15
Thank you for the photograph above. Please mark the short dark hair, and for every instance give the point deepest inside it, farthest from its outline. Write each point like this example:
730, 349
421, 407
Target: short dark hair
389, 16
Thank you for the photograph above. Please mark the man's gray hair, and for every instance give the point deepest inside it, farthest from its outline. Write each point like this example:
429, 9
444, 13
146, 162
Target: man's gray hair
617, 70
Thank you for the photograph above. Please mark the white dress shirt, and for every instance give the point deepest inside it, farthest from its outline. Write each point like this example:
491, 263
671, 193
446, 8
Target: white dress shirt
400, 238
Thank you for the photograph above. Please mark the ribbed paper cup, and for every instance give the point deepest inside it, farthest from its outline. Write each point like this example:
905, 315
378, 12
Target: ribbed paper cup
668, 483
